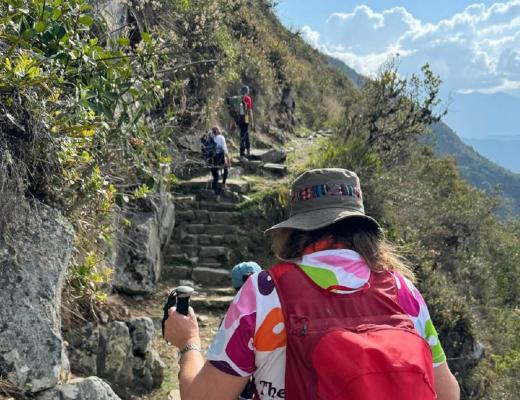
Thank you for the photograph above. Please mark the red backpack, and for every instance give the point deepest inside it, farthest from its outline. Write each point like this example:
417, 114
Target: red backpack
360, 346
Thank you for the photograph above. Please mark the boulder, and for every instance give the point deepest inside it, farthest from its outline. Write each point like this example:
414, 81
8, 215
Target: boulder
83, 349
268, 156
140, 248
33, 263
81, 389
141, 331
120, 353
115, 357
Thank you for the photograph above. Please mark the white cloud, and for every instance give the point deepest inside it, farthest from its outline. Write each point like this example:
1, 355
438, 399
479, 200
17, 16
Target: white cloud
312, 37
477, 49
505, 86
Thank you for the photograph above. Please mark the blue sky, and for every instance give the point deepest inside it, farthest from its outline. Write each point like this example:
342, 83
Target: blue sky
298, 13
474, 46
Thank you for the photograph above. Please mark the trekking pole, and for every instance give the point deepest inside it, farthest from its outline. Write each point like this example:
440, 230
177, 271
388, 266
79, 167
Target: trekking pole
180, 297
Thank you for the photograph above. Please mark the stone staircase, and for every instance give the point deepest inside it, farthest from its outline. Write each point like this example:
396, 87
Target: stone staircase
207, 236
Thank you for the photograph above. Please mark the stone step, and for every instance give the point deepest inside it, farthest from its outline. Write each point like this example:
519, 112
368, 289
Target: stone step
275, 169
213, 303
219, 240
226, 196
179, 251
251, 166
223, 217
207, 217
178, 258
215, 252
213, 265
214, 206
193, 228
210, 276
207, 261
209, 240
199, 183
186, 203
190, 251
192, 216
176, 272
206, 229
268, 156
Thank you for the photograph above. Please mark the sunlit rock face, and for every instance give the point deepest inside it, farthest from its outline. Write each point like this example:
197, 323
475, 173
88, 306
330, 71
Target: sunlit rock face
33, 264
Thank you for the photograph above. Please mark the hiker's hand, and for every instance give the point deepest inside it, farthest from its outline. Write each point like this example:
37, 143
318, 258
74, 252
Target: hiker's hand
180, 329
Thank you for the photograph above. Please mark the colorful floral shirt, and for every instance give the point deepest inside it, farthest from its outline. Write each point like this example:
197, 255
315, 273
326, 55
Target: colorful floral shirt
252, 338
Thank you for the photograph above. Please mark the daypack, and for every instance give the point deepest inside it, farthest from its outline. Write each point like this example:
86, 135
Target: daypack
208, 148
236, 106
359, 345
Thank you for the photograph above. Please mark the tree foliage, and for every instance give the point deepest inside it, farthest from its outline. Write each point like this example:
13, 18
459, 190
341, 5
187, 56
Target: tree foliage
467, 260
75, 125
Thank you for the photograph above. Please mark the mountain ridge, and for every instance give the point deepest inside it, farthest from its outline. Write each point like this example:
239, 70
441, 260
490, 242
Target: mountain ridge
473, 166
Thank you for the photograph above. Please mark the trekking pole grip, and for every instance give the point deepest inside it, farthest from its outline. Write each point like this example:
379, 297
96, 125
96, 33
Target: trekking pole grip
183, 299
179, 297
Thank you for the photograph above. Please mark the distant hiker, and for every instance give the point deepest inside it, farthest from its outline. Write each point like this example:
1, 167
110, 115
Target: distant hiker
241, 272
241, 110
220, 160
245, 121
341, 312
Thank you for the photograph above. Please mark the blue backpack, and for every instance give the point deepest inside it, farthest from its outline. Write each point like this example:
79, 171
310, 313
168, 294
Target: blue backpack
208, 148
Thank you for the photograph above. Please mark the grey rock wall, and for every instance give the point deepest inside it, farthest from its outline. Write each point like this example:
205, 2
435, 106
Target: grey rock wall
33, 263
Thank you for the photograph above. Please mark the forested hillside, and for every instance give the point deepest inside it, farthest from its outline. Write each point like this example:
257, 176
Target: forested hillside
102, 105
478, 170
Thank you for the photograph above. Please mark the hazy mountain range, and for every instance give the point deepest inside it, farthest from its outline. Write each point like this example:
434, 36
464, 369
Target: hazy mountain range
490, 123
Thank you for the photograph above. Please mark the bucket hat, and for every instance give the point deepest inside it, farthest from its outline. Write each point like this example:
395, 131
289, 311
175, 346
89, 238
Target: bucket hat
322, 197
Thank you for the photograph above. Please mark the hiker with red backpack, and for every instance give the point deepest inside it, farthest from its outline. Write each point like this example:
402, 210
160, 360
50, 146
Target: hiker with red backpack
241, 110
340, 318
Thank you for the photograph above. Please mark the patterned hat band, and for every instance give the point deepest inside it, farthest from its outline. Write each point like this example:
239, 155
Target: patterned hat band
329, 189
323, 197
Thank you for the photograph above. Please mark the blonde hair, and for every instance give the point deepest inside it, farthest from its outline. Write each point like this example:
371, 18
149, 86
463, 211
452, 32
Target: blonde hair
358, 234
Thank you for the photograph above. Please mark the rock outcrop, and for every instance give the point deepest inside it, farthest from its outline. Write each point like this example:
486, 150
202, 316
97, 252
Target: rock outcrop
119, 352
81, 389
33, 263
139, 254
